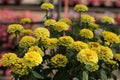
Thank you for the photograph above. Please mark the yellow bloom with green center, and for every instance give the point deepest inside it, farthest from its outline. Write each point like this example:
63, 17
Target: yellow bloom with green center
85, 18
32, 59
107, 19
36, 49
26, 31
80, 8
87, 33
27, 41
110, 37
15, 28
25, 20
65, 41
92, 68
79, 45
59, 60
94, 44
19, 67
47, 6
50, 42
104, 53
87, 56
66, 20
41, 32
93, 26
9, 59
60, 26
117, 57
49, 22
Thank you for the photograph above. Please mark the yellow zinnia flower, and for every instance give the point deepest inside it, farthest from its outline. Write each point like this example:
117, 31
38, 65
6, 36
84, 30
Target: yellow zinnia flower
60, 26
19, 67
49, 22
92, 68
15, 28
32, 59
27, 41
87, 33
107, 19
66, 20
9, 59
87, 56
25, 20
110, 37
50, 42
117, 57
85, 18
78, 45
80, 8
65, 41
104, 53
93, 44
59, 60
93, 26
41, 32
36, 49
47, 6
26, 31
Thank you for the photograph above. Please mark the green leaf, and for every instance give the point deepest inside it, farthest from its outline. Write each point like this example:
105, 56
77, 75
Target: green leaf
85, 75
37, 75
113, 76
103, 75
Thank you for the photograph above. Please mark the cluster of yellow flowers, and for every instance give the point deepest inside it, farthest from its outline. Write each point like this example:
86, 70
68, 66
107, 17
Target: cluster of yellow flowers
88, 51
20, 65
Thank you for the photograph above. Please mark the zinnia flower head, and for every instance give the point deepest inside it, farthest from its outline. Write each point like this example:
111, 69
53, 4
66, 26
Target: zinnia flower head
93, 26
41, 32
110, 37
59, 60
19, 67
50, 42
27, 41
32, 59
87, 56
104, 53
26, 31
66, 20
9, 59
60, 26
65, 41
25, 20
80, 8
47, 6
36, 49
117, 57
49, 22
15, 28
87, 33
93, 44
92, 68
79, 45
85, 18
107, 19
